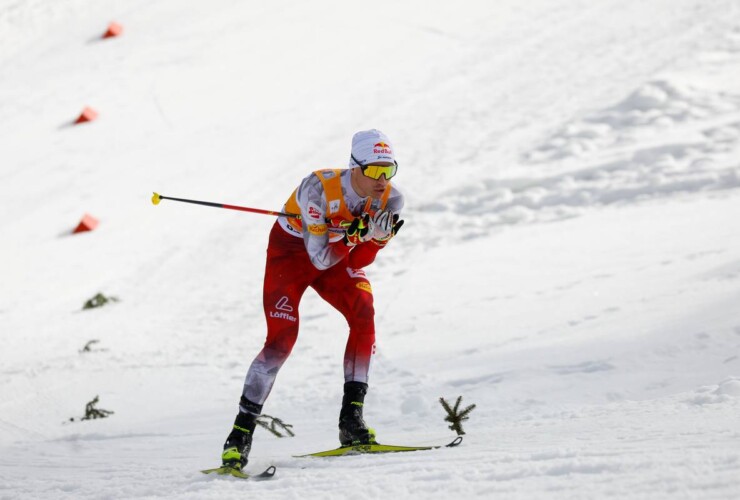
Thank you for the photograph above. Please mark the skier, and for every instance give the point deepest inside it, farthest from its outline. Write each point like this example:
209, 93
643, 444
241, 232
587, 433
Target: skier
347, 216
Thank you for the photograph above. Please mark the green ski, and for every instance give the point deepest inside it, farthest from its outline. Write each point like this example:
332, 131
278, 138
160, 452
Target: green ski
376, 448
233, 471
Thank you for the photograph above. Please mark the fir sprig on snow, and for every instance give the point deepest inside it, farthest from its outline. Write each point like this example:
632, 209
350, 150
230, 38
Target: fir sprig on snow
89, 346
92, 413
455, 416
99, 300
272, 423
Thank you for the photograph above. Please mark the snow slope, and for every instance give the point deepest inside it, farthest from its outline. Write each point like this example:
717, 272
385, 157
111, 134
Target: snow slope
570, 259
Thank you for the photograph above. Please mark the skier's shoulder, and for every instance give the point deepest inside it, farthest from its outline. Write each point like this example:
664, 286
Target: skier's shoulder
315, 180
310, 189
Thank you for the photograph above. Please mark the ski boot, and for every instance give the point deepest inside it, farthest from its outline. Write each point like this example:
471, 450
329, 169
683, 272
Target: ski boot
239, 442
352, 428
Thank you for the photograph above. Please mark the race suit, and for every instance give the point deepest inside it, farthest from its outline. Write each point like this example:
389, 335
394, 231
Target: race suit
310, 252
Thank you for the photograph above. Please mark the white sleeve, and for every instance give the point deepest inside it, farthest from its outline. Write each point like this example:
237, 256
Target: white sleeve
311, 200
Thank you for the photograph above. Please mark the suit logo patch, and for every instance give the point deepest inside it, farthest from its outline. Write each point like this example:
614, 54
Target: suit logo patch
318, 229
283, 310
334, 206
282, 304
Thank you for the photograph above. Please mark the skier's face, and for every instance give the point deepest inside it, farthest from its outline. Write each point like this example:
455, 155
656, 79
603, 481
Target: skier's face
366, 186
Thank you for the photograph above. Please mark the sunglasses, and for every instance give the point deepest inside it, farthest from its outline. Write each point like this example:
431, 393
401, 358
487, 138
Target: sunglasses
375, 171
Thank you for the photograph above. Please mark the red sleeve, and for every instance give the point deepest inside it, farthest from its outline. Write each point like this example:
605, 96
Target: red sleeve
363, 255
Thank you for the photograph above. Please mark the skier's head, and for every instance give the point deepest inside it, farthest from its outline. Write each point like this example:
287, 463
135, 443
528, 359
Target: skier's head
372, 147
372, 163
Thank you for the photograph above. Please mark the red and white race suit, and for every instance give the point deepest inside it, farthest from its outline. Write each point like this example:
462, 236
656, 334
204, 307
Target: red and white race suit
310, 252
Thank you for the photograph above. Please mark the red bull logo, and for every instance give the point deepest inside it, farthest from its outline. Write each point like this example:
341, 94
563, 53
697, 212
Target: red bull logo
382, 148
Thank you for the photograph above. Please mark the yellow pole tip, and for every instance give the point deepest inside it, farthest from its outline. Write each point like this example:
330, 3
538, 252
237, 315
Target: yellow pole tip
155, 199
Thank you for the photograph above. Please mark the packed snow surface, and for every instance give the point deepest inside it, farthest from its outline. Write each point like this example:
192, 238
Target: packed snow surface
570, 261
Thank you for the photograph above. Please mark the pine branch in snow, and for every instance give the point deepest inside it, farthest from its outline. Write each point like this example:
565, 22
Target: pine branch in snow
88, 346
455, 416
99, 300
92, 413
272, 423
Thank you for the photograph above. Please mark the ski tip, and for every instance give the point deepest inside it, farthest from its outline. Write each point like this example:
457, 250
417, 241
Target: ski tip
456, 442
225, 470
268, 473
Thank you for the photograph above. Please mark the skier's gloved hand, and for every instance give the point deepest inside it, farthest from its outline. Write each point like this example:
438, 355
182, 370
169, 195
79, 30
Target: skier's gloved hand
359, 231
383, 241
383, 220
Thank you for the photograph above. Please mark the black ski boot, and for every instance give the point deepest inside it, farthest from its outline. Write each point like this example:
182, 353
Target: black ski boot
352, 428
239, 442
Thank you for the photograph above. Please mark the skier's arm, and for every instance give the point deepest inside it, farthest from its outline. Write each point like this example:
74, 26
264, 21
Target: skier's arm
321, 252
363, 255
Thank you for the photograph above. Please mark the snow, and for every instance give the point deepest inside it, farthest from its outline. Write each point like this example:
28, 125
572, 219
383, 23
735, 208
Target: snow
569, 262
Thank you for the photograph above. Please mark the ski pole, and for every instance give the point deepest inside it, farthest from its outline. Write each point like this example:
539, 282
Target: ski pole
156, 198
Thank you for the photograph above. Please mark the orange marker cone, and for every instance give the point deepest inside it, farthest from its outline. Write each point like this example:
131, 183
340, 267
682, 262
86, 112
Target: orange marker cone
88, 114
114, 30
88, 223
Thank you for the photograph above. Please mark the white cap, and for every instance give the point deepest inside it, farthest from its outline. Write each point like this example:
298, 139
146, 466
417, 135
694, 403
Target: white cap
371, 146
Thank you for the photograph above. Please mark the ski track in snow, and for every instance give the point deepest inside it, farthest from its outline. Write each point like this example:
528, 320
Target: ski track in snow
631, 152
569, 263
